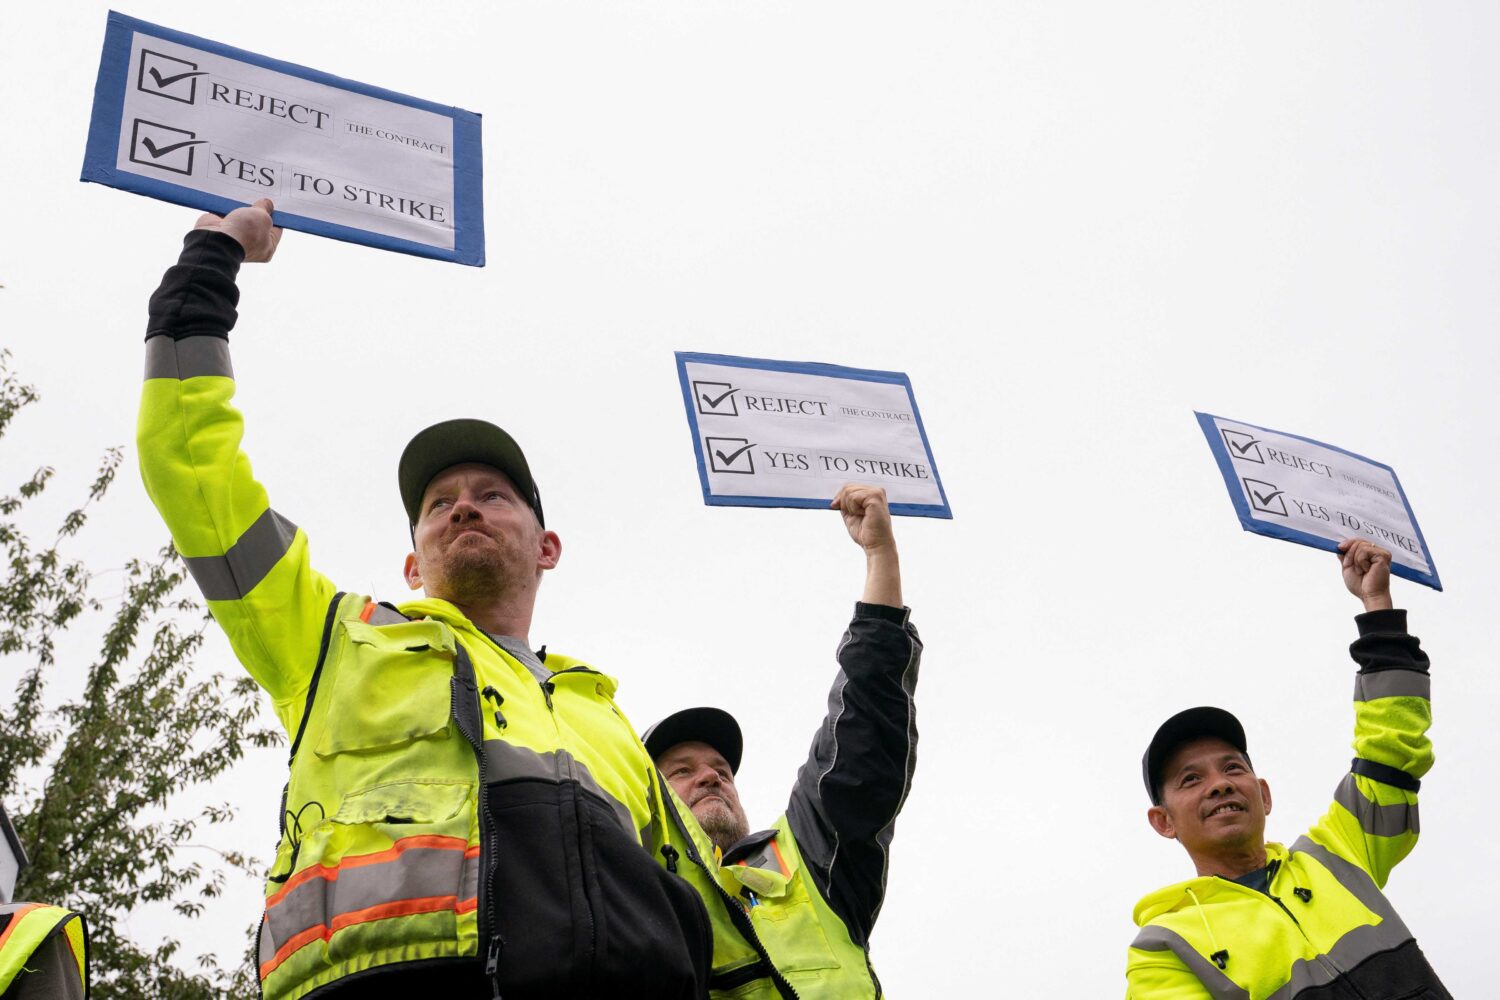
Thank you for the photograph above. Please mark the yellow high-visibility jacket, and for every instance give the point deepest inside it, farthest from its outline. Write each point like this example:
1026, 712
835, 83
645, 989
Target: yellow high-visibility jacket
1323, 928
448, 801
43, 953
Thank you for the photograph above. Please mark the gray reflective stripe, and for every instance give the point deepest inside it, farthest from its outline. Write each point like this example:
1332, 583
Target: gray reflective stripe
383, 615
1361, 943
189, 357
1353, 878
265, 947
1219, 985
468, 886
765, 858
233, 575
1392, 684
415, 872
11, 907
1380, 821
504, 761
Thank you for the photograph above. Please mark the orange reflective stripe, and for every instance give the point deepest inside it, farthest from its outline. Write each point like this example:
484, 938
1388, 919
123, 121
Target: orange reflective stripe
786, 869
420, 874
331, 873
400, 908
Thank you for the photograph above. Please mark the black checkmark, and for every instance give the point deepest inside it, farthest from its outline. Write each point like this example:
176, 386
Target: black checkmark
163, 151
162, 81
715, 402
1264, 500
1246, 448
729, 458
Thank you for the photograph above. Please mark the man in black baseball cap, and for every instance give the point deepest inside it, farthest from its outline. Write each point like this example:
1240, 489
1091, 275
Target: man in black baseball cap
485, 801
1261, 919
705, 743
478, 533
812, 885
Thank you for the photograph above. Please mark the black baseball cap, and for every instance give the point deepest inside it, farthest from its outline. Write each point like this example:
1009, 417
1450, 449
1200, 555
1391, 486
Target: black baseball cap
455, 442
1184, 727
713, 726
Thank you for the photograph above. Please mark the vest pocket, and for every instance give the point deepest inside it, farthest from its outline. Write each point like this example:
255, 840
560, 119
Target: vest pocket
391, 870
392, 689
791, 931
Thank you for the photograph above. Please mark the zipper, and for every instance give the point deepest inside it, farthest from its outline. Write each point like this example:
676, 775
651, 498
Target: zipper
463, 676
737, 915
1325, 959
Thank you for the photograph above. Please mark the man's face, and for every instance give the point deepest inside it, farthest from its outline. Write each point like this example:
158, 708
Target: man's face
476, 539
1212, 803
701, 777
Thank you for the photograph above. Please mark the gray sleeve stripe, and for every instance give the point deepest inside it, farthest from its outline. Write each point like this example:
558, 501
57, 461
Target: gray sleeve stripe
1377, 820
1351, 877
833, 728
187, 358
1392, 684
908, 685
233, 575
1155, 938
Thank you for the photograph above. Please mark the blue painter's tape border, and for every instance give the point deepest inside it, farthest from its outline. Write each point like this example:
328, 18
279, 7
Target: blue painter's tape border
1249, 523
943, 510
104, 142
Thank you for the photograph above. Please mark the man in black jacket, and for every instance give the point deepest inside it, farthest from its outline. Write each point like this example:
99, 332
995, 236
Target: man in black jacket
814, 882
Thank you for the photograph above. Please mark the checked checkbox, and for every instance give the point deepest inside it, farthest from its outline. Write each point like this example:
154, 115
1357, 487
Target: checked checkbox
163, 147
1265, 498
1245, 447
730, 455
716, 399
168, 76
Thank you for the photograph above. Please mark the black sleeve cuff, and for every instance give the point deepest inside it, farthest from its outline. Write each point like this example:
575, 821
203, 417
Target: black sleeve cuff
197, 296
884, 612
1384, 643
1388, 621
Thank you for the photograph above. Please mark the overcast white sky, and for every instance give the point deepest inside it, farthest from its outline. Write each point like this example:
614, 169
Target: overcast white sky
1071, 223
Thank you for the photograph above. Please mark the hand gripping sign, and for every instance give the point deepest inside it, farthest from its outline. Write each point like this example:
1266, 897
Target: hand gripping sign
201, 124
789, 434
1304, 491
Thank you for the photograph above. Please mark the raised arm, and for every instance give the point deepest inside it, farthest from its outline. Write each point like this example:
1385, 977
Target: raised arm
1373, 820
844, 805
249, 561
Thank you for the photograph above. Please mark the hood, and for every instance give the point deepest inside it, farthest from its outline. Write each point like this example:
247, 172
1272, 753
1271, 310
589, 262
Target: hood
1205, 887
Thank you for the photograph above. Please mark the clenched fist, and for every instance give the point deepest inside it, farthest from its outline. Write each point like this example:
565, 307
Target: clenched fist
1367, 572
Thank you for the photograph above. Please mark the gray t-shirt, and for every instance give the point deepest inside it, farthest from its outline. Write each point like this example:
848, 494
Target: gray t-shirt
515, 647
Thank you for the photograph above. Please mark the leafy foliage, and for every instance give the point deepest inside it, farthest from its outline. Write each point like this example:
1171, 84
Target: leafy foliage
90, 781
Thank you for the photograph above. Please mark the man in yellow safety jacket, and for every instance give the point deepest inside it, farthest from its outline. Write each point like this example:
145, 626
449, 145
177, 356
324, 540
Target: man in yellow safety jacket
43, 949
42, 953
464, 817
1264, 921
812, 885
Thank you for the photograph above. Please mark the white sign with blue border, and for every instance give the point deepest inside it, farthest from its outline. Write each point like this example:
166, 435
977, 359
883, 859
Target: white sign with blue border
198, 123
1304, 491
789, 434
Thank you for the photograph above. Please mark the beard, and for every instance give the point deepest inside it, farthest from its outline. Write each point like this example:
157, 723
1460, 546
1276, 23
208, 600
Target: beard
724, 826
475, 573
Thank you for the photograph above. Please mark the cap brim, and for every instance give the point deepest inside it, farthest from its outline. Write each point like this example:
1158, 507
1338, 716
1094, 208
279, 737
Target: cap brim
458, 442
713, 726
1185, 726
